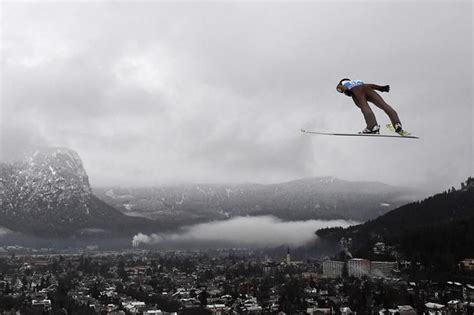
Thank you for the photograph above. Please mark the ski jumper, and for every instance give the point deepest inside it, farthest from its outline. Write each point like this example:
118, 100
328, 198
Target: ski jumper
361, 94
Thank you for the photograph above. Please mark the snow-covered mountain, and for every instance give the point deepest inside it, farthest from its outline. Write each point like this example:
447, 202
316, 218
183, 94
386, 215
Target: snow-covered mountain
48, 193
46, 181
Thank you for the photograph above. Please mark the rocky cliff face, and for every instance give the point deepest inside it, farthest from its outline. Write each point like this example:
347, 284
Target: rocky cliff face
47, 181
48, 194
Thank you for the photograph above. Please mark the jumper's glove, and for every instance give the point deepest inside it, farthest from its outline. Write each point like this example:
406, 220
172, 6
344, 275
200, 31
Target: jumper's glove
385, 88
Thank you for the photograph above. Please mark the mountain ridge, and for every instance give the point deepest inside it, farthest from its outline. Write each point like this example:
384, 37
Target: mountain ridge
302, 199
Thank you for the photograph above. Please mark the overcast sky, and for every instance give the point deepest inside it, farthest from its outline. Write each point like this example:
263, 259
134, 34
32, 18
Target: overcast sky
158, 92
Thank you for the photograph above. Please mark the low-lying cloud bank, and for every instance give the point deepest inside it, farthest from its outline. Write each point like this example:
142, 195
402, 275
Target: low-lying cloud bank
261, 231
4, 231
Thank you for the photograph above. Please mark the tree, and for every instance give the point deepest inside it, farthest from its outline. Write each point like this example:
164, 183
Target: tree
24, 281
202, 297
121, 271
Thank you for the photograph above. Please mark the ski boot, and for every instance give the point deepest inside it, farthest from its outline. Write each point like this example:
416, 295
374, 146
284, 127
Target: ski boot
374, 130
398, 128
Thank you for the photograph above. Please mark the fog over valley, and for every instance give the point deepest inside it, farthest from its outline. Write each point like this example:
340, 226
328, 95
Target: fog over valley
260, 231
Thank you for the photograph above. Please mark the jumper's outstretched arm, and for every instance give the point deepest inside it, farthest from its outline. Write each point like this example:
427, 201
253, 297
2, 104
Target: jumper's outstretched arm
384, 88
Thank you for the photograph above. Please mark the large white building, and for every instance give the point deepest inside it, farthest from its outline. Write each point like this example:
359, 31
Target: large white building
332, 269
358, 267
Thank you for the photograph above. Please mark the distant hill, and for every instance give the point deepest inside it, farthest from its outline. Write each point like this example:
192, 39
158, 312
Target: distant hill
310, 198
48, 194
438, 230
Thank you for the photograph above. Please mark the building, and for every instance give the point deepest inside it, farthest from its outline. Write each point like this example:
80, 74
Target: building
405, 310
318, 311
288, 261
379, 248
270, 267
457, 307
435, 309
41, 305
217, 309
134, 307
454, 290
288, 256
332, 269
400, 310
467, 264
469, 292
358, 267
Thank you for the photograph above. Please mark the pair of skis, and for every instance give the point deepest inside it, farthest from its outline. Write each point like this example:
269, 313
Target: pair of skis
390, 127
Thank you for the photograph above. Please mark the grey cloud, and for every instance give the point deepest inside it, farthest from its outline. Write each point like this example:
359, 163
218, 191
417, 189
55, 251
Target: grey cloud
16, 140
152, 92
290, 156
